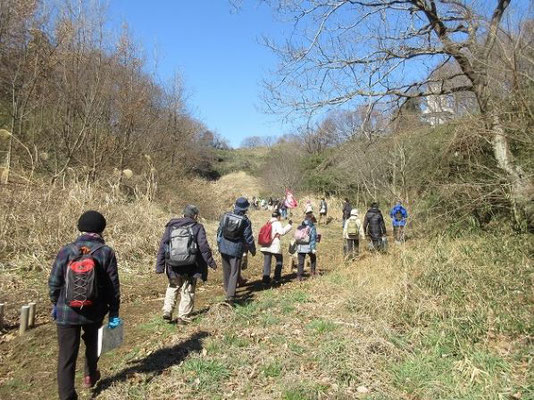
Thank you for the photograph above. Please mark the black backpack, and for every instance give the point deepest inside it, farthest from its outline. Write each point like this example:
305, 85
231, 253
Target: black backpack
233, 226
183, 248
81, 277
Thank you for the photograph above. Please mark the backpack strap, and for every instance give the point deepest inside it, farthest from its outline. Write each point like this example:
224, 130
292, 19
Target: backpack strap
95, 248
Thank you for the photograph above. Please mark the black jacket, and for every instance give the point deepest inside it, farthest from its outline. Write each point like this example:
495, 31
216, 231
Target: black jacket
346, 210
203, 260
373, 224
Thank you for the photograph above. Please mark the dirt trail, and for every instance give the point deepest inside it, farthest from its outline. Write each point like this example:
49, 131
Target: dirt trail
27, 364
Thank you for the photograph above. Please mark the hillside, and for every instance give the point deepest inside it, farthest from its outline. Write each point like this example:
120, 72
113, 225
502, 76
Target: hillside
429, 320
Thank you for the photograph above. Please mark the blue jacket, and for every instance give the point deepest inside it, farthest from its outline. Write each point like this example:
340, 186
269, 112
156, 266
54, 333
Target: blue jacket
307, 248
398, 208
237, 248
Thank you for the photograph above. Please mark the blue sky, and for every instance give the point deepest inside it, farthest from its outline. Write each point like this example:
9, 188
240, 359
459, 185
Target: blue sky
217, 52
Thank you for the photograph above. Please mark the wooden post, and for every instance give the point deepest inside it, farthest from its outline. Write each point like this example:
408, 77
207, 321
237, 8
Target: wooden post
31, 317
24, 313
2, 306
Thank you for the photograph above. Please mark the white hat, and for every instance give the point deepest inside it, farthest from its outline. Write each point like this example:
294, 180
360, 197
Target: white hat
354, 212
309, 209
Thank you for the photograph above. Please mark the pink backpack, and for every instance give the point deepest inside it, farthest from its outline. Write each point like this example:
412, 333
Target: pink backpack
302, 234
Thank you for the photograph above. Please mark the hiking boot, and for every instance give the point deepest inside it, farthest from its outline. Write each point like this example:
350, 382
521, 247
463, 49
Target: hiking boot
182, 321
241, 282
90, 381
229, 302
266, 279
167, 316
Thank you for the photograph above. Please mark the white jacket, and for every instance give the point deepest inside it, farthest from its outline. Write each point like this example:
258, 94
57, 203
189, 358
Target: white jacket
358, 222
277, 231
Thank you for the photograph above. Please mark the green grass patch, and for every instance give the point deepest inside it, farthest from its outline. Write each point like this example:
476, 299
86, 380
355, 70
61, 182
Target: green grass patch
206, 374
297, 296
321, 326
272, 370
305, 390
232, 340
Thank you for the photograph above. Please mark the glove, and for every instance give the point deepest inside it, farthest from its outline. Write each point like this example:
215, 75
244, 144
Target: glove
114, 322
53, 314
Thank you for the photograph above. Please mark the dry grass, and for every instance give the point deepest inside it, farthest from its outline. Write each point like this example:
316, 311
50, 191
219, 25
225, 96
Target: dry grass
439, 318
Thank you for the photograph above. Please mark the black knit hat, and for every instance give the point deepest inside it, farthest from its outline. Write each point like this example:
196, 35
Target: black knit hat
92, 221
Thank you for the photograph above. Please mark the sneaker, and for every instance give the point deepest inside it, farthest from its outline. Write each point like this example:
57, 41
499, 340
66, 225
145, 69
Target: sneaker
167, 316
90, 381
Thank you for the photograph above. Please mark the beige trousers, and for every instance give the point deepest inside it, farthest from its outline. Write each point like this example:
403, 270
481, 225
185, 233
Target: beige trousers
186, 286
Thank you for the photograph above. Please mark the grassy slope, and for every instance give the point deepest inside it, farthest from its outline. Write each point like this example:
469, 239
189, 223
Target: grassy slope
438, 319
248, 160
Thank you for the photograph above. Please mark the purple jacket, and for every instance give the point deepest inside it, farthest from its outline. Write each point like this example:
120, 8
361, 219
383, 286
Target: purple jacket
200, 269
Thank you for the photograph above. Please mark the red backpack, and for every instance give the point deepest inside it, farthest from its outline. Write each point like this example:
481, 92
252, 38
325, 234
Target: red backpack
265, 236
81, 286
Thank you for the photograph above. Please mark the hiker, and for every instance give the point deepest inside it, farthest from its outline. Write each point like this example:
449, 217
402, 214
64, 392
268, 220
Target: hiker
346, 210
375, 228
234, 237
271, 246
323, 210
84, 287
352, 231
306, 240
398, 216
283, 209
184, 255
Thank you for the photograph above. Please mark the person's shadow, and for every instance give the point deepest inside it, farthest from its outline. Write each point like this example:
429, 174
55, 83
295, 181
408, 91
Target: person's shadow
155, 363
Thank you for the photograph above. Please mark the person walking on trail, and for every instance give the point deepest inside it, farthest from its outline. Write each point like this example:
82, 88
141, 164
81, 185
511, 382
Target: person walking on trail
346, 210
375, 228
234, 237
398, 216
323, 210
271, 247
283, 209
352, 231
306, 240
184, 255
83, 286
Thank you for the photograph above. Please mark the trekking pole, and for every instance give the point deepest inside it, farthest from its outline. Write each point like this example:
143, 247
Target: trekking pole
24, 313
2, 306
31, 317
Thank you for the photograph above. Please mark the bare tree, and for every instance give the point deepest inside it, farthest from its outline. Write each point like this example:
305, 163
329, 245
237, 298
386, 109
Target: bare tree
251, 142
343, 52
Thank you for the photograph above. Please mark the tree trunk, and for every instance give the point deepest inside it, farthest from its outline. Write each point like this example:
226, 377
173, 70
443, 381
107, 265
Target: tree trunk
521, 189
